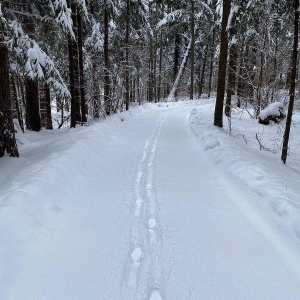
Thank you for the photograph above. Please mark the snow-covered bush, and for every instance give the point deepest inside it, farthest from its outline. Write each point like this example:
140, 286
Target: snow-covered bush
274, 112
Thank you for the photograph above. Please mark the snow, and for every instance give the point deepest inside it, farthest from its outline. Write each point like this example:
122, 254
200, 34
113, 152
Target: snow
159, 206
273, 109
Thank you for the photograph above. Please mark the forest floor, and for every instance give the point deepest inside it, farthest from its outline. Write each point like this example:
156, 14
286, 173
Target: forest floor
152, 204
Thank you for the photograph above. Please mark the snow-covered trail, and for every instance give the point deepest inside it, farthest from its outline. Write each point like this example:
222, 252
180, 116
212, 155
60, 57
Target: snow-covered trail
215, 246
136, 210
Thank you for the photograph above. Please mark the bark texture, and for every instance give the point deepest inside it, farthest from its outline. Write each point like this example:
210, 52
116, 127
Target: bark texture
293, 84
218, 117
7, 134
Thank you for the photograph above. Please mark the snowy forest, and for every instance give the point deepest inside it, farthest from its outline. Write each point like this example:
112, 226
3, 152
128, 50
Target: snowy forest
124, 52
149, 149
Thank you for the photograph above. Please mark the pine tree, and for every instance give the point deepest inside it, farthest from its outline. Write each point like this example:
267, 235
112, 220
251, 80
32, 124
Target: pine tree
218, 118
7, 133
293, 84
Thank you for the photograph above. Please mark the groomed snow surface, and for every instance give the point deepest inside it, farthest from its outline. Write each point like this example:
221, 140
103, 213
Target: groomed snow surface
152, 204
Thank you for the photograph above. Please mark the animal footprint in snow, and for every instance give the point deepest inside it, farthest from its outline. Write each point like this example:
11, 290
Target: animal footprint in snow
149, 186
151, 223
155, 295
136, 255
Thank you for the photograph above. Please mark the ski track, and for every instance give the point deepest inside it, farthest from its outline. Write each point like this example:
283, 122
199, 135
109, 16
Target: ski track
143, 270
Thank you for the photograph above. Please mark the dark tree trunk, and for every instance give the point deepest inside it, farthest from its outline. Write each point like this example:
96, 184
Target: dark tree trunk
202, 75
127, 55
160, 67
76, 66
19, 111
107, 100
231, 79
151, 63
7, 133
218, 117
293, 85
211, 65
48, 123
74, 71
72, 83
151, 78
81, 71
45, 107
155, 68
240, 83
192, 49
176, 56
33, 118
95, 95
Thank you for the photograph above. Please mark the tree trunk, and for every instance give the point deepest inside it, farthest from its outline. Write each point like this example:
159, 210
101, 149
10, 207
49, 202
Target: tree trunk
151, 77
176, 59
192, 48
218, 117
33, 118
45, 108
81, 71
48, 108
231, 79
172, 94
293, 85
160, 67
107, 100
212, 52
127, 55
76, 65
260, 78
72, 83
176, 56
19, 111
240, 83
7, 133
202, 76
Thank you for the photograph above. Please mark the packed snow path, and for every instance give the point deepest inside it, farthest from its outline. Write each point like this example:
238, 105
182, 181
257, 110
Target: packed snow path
136, 210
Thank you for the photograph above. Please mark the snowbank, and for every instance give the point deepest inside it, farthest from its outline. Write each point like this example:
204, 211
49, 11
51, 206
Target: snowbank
238, 154
273, 112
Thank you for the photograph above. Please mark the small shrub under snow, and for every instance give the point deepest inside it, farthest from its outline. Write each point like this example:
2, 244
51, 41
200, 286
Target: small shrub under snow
273, 112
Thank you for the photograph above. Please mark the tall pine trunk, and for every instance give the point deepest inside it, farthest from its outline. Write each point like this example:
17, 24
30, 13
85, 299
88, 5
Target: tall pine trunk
74, 71
160, 67
293, 85
218, 117
72, 83
107, 100
231, 79
46, 107
240, 82
18, 108
7, 133
33, 118
176, 56
192, 49
151, 70
76, 65
202, 74
81, 70
127, 92
211, 64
